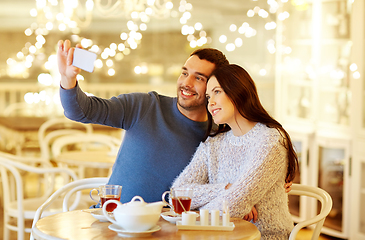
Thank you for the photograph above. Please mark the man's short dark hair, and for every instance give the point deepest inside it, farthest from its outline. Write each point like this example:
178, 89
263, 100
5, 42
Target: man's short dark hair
212, 55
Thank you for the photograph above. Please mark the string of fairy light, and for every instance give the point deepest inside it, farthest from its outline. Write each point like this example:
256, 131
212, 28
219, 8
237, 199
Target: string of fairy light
63, 16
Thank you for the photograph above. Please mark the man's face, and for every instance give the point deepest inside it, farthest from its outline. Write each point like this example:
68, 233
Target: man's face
191, 84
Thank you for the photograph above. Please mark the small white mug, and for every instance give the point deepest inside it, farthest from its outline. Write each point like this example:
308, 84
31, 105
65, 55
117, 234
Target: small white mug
188, 218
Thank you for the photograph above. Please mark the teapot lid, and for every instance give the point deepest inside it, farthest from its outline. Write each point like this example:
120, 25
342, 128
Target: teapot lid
134, 203
137, 206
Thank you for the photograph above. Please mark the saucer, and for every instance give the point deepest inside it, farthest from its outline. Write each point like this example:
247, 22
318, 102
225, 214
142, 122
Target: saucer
98, 214
172, 217
124, 233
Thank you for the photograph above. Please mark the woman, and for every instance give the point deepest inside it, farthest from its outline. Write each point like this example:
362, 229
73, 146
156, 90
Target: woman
247, 160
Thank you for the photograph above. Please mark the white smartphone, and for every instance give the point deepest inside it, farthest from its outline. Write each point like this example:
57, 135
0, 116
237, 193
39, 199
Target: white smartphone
84, 59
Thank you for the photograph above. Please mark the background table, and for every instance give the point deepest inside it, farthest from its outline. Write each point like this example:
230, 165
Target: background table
75, 225
93, 159
20, 132
86, 159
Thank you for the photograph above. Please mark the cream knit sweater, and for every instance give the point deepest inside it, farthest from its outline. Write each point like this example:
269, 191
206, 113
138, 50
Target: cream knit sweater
256, 165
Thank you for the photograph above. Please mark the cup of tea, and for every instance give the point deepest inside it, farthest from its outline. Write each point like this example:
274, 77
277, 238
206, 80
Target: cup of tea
107, 192
180, 198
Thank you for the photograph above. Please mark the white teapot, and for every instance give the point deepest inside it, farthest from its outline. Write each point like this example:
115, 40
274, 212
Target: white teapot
136, 216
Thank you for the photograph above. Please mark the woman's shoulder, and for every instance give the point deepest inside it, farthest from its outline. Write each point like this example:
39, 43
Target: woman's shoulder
268, 135
263, 129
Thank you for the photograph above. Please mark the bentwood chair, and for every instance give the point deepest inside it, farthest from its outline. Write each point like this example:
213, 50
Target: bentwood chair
28, 160
90, 146
16, 204
67, 191
326, 206
57, 127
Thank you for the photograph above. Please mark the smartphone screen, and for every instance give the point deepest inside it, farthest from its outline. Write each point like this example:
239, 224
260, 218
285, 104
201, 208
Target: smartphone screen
84, 59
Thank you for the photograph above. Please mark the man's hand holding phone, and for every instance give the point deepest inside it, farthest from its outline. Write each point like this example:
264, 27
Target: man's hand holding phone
71, 61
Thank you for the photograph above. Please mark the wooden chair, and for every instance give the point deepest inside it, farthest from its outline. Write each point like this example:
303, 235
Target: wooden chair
67, 191
16, 205
326, 206
57, 127
87, 143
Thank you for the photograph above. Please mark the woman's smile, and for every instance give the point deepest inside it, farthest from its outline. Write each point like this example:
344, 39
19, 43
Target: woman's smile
215, 111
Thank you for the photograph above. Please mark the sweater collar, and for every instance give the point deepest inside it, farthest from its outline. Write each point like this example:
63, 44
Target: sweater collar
240, 140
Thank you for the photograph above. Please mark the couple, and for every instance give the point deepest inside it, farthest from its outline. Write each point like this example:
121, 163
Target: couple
247, 162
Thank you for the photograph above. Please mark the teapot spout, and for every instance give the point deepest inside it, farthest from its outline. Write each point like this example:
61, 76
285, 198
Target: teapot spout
156, 206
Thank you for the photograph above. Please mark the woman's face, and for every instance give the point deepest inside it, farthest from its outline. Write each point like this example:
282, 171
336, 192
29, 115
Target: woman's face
219, 105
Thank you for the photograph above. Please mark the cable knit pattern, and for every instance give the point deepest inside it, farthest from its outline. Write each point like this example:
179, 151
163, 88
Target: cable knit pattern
256, 165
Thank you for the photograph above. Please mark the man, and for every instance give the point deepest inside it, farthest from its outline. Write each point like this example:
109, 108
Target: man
162, 133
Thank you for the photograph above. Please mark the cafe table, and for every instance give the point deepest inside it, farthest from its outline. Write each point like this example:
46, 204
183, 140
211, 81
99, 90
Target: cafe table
80, 224
19, 131
86, 159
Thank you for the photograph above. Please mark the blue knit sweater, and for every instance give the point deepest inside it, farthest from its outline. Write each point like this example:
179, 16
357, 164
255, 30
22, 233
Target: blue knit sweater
159, 141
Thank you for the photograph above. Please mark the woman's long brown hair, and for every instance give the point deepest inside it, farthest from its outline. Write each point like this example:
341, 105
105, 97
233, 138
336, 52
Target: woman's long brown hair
241, 89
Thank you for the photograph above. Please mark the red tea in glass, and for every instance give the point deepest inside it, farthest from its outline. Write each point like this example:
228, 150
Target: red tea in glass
111, 206
185, 201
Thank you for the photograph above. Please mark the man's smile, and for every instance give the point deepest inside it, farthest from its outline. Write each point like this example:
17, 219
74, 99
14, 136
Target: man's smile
186, 93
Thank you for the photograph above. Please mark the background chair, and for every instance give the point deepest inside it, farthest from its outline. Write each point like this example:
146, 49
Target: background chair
87, 143
57, 127
67, 191
326, 206
16, 205
32, 161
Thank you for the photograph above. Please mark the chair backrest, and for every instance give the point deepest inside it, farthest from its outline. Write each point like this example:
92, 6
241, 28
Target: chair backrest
16, 164
57, 127
326, 206
13, 186
86, 142
30, 161
46, 143
68, 190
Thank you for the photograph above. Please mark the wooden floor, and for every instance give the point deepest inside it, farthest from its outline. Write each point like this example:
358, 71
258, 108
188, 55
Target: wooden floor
304, 234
